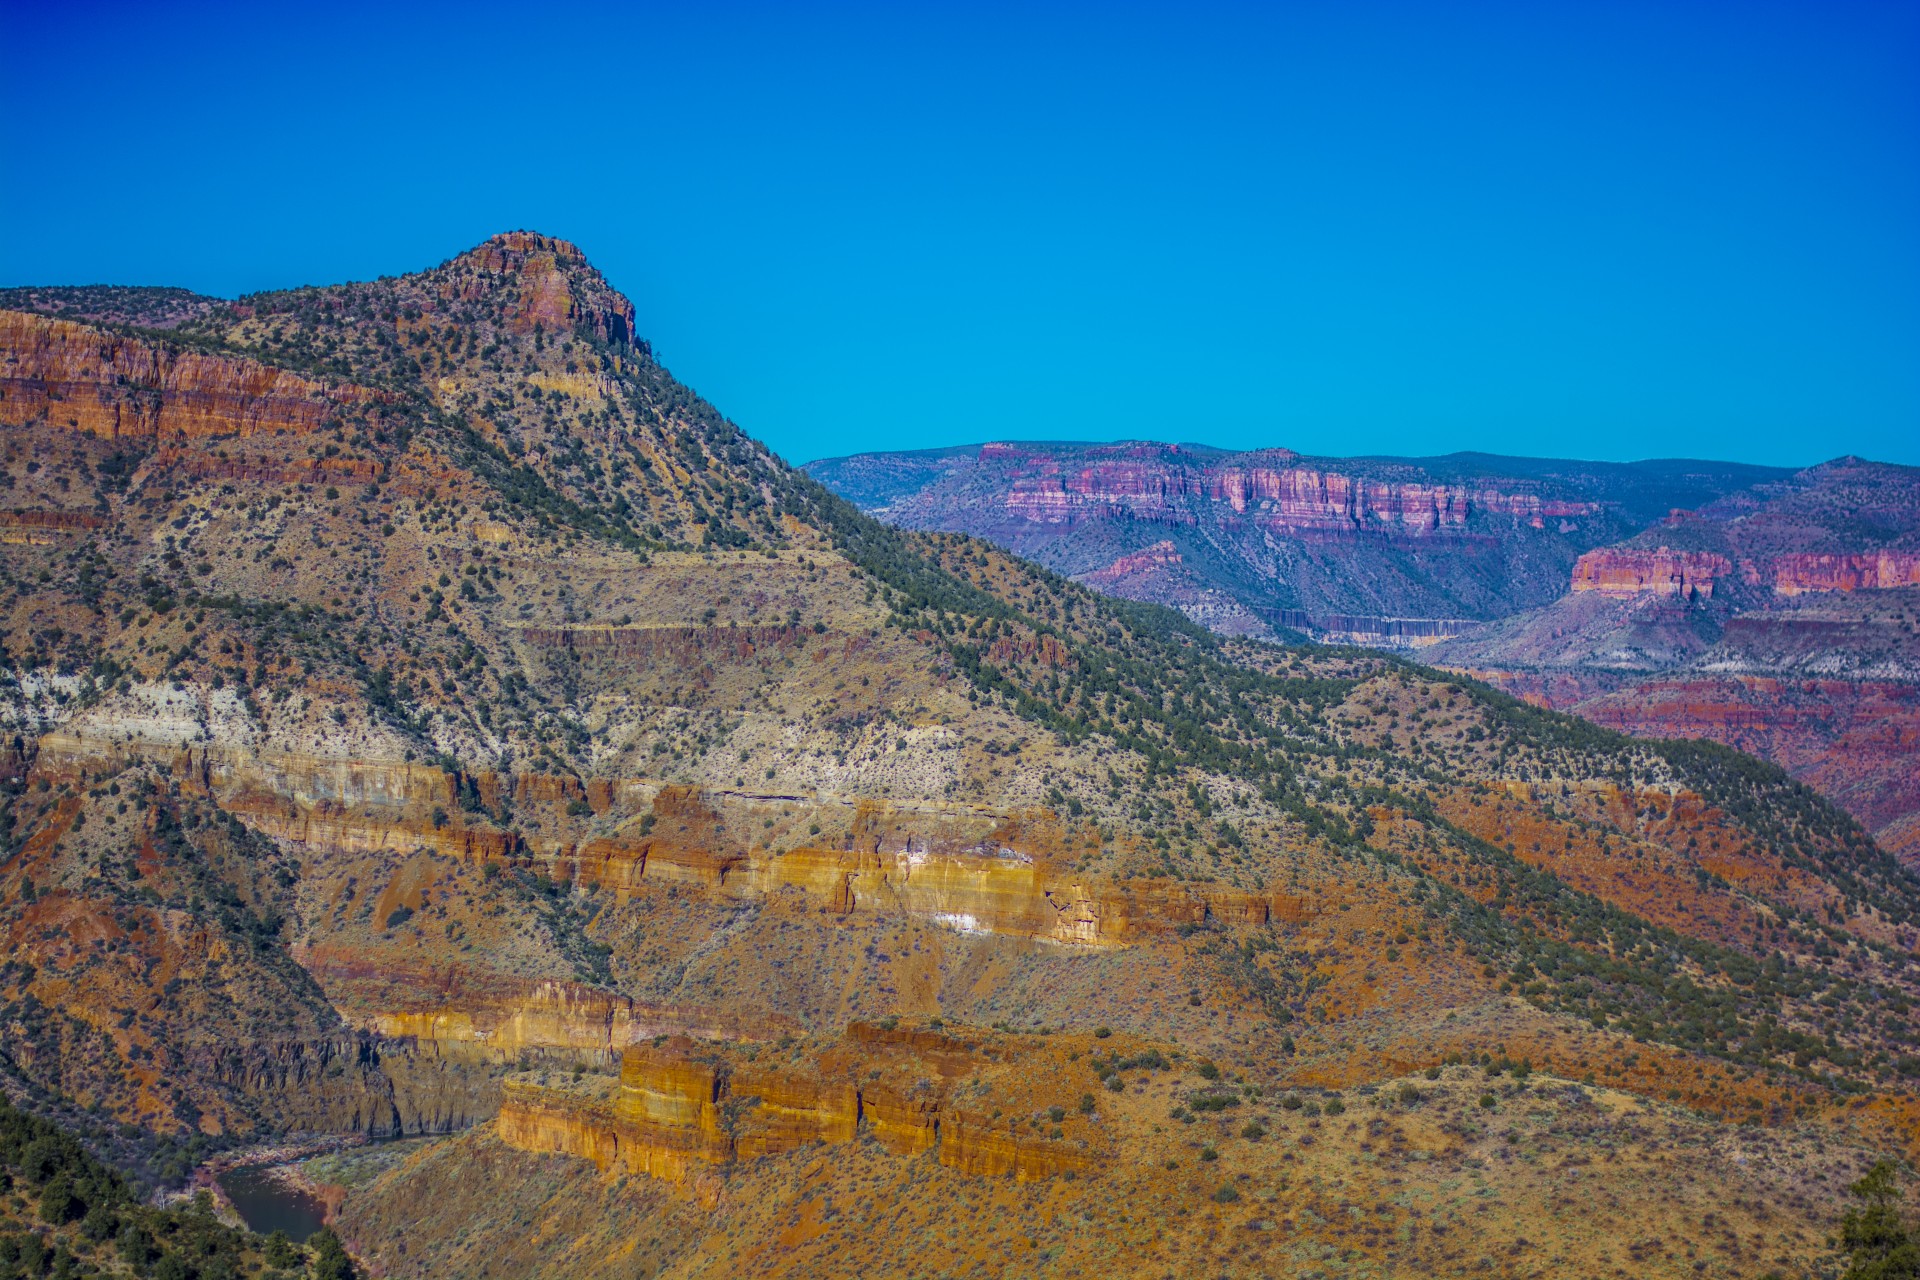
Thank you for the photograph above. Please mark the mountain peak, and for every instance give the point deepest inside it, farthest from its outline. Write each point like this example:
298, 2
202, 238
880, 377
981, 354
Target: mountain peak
548, 282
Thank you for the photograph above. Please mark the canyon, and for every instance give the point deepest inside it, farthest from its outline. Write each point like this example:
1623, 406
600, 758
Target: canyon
1395, 553
424, 716
1684, 574
1774, 631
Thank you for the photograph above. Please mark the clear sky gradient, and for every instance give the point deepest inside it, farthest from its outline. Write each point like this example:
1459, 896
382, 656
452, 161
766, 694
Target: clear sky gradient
1608, 230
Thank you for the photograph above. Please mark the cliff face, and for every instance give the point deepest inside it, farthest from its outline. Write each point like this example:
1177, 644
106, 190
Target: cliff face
1663, 571
1006, 878
1284, 498
681, 1110
76, 378
1629, 572
544, 293
1387, 552
1160, 555
1868, 571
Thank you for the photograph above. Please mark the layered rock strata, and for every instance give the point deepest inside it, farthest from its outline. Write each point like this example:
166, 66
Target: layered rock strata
1155, 482
681, 1110
398, 807
1662, 571
1866, 571
76, 377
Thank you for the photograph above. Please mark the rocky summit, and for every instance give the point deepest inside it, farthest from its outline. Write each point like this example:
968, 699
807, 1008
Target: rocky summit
428, 720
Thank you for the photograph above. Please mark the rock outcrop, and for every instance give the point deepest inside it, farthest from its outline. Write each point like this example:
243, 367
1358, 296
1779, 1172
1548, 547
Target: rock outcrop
1661, 571
1866, 571
400, 807
75, 377
545, 294
1628, 572
1158, 556
44, 528
681, 1109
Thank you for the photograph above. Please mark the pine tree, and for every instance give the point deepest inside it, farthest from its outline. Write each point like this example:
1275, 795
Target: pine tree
1876, 1234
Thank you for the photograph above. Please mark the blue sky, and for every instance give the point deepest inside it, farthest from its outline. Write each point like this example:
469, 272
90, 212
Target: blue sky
1609, 230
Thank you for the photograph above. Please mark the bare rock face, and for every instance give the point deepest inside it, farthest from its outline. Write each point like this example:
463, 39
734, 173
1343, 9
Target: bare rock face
1158, 556
71, 376
1659, 572
681, 1111
1866, 571
552, 285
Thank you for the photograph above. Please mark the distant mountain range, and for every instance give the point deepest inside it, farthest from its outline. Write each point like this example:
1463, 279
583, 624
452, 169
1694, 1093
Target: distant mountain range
1769, 609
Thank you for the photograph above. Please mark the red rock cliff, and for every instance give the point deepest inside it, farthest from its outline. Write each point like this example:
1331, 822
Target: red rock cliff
1151, 482
1633, 571
1881, 570
1158, 556
84, 379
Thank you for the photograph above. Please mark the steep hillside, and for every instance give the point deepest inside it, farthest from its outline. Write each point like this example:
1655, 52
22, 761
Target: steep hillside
1396, 553
1784, 621
428, 716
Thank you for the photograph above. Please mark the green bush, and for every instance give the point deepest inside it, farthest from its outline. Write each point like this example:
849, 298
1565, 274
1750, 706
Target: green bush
1879, 1242
1211, 1101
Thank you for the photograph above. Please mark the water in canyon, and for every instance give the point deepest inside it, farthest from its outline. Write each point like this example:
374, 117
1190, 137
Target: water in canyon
268, 1203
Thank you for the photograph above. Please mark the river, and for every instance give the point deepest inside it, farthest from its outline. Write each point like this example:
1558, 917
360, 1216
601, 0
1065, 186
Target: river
267, 1203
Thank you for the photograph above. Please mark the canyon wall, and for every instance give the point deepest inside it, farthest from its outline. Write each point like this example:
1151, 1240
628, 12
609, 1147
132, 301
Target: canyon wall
1627, 571
681, 1110
1388, 552
1866, 571
76, 377
1011, 885
1157, 483
1633, 571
